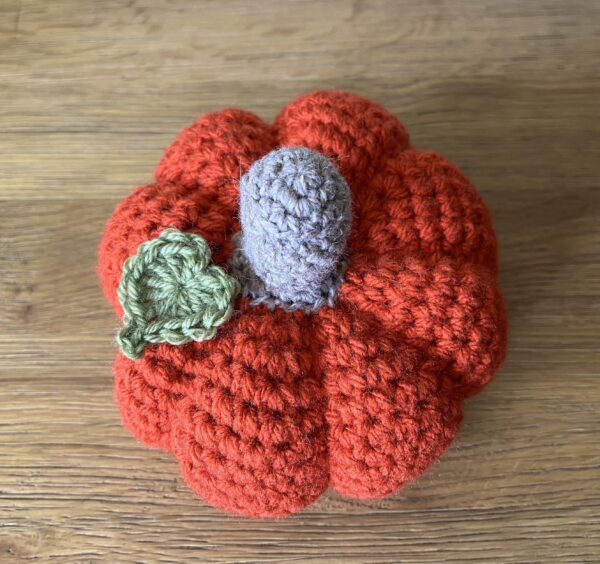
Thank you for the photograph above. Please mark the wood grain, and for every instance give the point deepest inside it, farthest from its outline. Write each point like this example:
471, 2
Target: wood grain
93, 91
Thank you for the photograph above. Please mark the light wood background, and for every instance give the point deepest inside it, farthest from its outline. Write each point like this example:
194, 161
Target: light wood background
92, 92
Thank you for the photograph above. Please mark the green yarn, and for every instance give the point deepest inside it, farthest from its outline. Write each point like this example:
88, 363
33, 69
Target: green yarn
172, 293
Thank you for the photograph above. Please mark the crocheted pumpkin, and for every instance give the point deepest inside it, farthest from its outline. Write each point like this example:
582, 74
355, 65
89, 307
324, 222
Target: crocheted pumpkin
350, 305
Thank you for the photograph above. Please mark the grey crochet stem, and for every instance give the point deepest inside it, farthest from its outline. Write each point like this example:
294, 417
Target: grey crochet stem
295, 210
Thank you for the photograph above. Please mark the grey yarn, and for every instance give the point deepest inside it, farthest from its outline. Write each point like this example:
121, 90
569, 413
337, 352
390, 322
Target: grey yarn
296, 211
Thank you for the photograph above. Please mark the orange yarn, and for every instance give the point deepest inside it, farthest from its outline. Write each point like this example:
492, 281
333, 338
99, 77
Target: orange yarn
363, 397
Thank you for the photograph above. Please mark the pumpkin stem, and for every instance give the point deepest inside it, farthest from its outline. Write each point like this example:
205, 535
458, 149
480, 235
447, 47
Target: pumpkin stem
295, 210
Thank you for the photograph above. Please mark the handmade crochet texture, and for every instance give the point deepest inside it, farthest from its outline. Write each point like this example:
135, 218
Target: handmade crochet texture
358, 388
171, 293
295, 211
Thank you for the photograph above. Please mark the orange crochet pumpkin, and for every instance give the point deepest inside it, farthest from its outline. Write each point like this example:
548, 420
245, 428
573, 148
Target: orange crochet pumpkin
361, 397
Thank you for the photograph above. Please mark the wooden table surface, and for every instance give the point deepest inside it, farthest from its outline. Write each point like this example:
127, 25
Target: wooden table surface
91, 94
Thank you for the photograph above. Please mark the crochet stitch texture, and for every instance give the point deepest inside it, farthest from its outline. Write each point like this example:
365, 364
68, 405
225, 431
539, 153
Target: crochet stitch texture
171, 293
361, 397
295, 210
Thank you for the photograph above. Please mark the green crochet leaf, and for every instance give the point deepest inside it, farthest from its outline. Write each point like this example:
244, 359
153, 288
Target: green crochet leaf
172, 293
